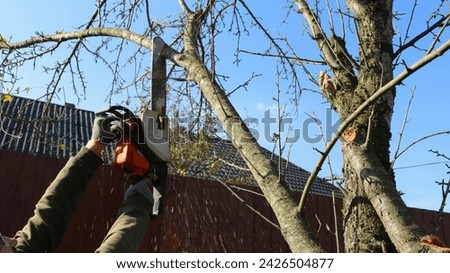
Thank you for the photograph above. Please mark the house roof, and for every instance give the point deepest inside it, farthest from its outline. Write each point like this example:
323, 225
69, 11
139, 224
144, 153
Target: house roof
42, 128
37, 127
233, 169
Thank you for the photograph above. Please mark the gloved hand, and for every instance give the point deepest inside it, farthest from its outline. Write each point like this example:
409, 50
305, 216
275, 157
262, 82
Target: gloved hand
103, 129
7, 244
142, 188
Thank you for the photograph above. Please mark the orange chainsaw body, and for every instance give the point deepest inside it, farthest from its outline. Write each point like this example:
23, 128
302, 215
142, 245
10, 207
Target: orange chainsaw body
128, 158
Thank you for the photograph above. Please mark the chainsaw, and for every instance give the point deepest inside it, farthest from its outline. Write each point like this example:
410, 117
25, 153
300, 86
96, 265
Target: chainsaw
142, 147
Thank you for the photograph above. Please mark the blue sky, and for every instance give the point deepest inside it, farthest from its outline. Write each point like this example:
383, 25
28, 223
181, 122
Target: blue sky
417, 169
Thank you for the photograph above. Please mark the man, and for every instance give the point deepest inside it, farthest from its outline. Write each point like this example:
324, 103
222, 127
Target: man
45, 229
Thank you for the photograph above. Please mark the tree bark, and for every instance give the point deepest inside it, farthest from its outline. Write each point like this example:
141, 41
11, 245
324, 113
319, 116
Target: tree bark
384, 198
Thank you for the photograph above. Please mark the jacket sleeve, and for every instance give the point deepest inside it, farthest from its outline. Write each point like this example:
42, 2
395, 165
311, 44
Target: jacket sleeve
45, 229
128, 230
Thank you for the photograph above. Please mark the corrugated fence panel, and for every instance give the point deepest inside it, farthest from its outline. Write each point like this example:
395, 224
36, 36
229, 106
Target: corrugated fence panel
95, 213
23, 180
428, 220
199, 215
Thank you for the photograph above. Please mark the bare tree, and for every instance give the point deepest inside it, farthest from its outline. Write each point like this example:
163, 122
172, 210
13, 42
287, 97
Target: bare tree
361, 91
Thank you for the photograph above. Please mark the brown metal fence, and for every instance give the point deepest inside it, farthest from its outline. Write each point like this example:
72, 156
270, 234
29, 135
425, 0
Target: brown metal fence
199, 215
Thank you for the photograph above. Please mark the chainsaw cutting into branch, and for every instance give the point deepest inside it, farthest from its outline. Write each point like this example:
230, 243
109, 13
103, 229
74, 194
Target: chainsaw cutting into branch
142, 147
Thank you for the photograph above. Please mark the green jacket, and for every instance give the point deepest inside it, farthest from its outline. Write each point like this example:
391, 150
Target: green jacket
45, 229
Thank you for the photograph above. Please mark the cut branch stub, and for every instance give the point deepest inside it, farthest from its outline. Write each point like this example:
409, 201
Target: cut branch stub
434, 242
350, 134
327, 84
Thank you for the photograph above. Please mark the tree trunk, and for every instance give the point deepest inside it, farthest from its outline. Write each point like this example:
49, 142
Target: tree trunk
293, 226
375, 217
363, 230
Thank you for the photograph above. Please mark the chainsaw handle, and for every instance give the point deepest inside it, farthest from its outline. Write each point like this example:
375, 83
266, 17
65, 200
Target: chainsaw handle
118, 111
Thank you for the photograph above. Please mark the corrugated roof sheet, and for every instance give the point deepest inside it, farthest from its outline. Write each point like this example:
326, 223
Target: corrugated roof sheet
233, 169
41, 128
37, 127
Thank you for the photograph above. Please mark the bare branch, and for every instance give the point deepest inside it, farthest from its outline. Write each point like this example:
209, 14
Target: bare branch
417, 141
318, 34
421, 35
185, 7
402, 130
436, 39
147, 14
75, 35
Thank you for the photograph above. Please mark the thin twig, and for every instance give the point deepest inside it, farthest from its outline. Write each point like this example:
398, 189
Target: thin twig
411, 18
280, 115
402, 130
245, 203
247, 190
330, 15
244, 85
332, 178
445, 191
295, 59
436, 39
417, 141
216, 157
